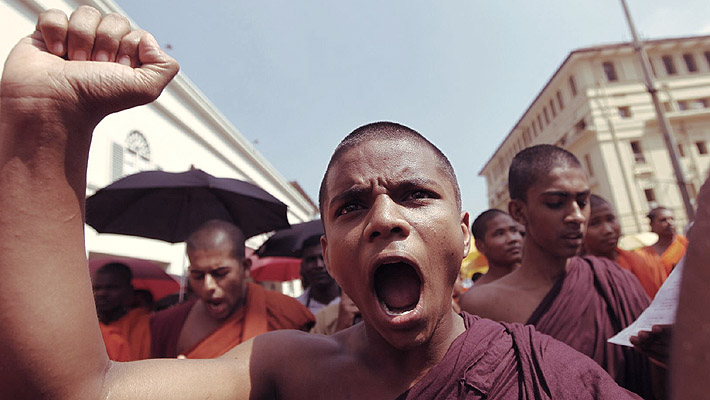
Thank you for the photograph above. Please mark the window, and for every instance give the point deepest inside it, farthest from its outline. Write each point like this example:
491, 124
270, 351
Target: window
573, 85
547, 115
667, 106
534, 128
707, 57
638, 152
539, 122
690, 62
669, 64
552, 107
610, 71
559, 100
698, 104
132, 157
625, 112
682, 105
702, 148
681, 150
650, 195
588, 164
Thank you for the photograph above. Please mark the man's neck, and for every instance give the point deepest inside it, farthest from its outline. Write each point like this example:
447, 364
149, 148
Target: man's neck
324, 294
541, 266
663, 243
413, 363
496, 271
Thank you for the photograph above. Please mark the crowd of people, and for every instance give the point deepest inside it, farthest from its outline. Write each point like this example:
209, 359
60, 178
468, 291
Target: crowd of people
380, 281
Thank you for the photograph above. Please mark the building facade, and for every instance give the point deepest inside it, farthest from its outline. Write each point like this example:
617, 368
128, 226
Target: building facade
597, 106
180, 130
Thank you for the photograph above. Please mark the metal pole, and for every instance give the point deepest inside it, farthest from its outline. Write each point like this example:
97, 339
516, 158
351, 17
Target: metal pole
663, 123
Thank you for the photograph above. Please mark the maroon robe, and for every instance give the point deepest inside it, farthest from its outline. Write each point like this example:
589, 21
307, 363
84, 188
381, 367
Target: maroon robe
592, 302
495, 360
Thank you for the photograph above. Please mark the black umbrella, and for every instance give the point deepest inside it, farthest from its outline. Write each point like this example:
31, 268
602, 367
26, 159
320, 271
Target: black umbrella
289, 242
169, 206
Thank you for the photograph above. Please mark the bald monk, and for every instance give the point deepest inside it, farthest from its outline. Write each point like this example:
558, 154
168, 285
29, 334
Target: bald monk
126, 330
498, 237
670, 247
395, 236
227, 310
602, 239
579, 301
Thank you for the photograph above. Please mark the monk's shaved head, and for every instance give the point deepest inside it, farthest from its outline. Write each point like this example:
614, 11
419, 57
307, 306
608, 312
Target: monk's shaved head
479, 225
655, 212
596, 201
216, 233
387, 131
530, 164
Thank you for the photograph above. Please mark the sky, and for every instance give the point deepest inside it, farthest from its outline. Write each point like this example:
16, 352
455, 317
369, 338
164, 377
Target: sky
295, 77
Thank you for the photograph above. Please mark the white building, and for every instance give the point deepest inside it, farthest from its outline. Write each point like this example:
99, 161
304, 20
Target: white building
597, 106
179, 130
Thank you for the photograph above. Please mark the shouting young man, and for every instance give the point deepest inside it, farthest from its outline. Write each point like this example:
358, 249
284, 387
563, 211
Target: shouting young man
394, 239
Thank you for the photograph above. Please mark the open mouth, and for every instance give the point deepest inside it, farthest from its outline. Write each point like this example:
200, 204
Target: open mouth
398, 287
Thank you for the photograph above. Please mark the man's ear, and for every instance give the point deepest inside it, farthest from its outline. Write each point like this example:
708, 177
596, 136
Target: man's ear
466, 234
517, 209
246, 265
480, 246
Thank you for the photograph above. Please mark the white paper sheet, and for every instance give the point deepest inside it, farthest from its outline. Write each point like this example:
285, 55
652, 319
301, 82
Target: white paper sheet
660, 312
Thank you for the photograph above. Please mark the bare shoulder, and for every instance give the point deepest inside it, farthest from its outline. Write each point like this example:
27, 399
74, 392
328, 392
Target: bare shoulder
283, 361
484, 300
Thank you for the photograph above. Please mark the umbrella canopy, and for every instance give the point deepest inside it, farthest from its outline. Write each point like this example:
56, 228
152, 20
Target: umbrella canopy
280, 269
169, 206
289, 242
146, 275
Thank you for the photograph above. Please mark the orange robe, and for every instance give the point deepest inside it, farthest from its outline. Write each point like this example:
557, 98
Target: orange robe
671, 256
649, 273
262, 312
134, 328
117, 346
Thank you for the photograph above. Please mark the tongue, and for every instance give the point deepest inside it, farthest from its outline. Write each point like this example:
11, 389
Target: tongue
398, 286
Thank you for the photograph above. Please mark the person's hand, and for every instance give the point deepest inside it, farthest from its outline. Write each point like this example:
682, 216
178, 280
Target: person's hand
655, 344
80, 69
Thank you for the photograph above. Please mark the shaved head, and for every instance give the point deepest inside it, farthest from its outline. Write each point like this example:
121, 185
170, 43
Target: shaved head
479, 225
121, 272
216, 233
387, 131
534, 162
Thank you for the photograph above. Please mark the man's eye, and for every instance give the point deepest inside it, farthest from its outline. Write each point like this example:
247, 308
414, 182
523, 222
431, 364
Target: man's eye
582, 203
348, 208
197, 277
420, 194
554, 205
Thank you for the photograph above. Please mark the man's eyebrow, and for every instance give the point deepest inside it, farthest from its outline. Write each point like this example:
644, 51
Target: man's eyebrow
351, 193
563, 193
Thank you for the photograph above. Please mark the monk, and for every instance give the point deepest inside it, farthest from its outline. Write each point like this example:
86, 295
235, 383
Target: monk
602, 239
579, 301
227, 310
395, 236
670, 247
499, 239
123, 327
322, 290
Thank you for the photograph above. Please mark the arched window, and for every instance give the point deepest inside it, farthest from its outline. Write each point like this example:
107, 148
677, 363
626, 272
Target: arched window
131, 157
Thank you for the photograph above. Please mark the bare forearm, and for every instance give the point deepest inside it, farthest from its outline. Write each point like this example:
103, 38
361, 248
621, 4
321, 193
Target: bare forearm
690, 356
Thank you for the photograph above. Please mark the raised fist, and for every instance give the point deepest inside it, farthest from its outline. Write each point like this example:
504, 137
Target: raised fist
84, 67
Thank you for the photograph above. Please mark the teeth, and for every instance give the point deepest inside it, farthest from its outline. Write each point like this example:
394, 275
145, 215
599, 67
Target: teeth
392, 312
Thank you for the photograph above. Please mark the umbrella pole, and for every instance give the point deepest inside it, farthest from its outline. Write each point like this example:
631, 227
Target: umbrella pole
183, 281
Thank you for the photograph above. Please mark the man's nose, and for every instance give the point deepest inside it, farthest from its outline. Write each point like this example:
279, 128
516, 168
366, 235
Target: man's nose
575, 214
210, 283
385, 219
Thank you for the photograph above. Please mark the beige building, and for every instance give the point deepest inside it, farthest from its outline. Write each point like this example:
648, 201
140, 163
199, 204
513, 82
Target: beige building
181, 129
597, 106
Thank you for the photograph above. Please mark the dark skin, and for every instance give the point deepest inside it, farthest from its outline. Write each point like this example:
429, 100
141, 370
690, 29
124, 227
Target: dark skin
112, 296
